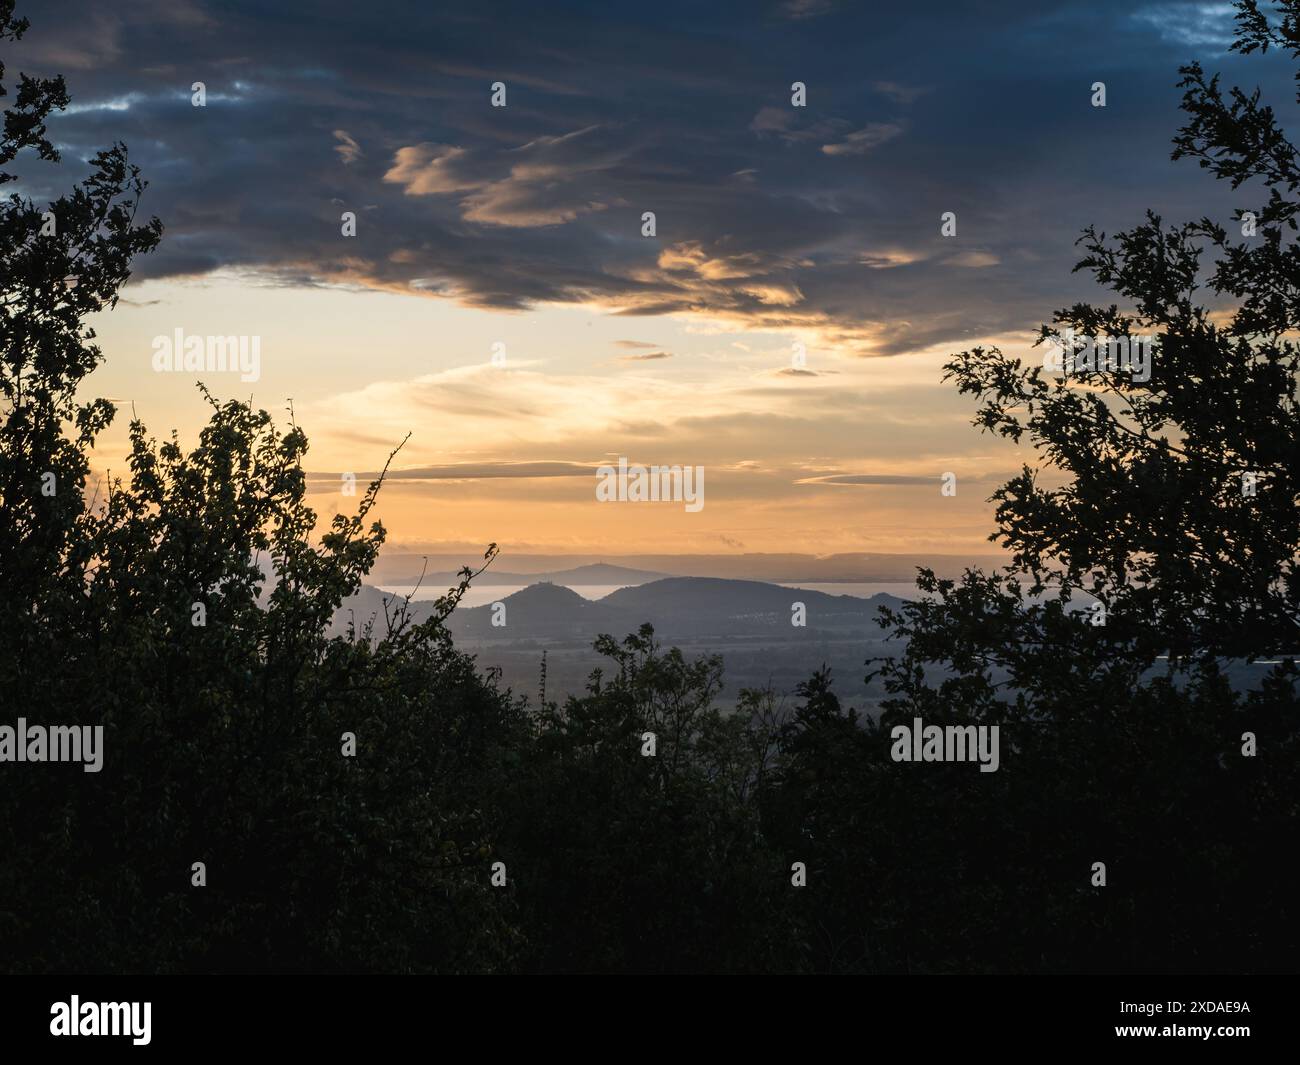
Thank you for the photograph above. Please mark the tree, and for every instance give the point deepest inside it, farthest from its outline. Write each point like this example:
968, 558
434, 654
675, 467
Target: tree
185, 608
648, 862
1172, 502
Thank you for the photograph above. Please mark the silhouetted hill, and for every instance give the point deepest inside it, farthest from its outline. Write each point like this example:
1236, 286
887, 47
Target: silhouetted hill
740, 604
748, 622
676, 607
395, 566
548, 611
601, 573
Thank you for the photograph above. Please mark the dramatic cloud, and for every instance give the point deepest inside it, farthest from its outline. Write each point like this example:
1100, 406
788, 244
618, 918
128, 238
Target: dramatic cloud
820, 220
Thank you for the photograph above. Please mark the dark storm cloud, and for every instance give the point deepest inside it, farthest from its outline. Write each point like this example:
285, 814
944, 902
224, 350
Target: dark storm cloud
824, 217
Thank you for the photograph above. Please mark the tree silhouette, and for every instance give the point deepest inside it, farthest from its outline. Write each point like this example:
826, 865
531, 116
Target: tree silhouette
184, 608
1176, 511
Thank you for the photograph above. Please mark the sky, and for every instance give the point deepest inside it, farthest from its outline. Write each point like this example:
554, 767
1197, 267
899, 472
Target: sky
500, 307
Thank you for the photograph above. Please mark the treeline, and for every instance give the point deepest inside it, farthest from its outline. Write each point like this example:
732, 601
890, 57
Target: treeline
634, 829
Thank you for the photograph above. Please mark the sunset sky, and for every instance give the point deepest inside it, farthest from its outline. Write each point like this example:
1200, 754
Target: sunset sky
521, 226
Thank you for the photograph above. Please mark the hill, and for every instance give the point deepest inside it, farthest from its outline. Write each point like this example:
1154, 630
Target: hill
748, 622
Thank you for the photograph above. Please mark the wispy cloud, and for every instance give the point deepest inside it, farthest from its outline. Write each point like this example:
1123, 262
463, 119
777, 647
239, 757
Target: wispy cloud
870, 479
470, 471
900, 94
861, 141
806, 9
347, 149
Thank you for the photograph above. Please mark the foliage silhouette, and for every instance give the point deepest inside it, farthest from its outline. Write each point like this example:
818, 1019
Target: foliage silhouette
223, 741
1127, 736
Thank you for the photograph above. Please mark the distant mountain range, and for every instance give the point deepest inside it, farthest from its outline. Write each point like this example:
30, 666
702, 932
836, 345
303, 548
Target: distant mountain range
598, 573
678, 607
747, 622
397, 567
